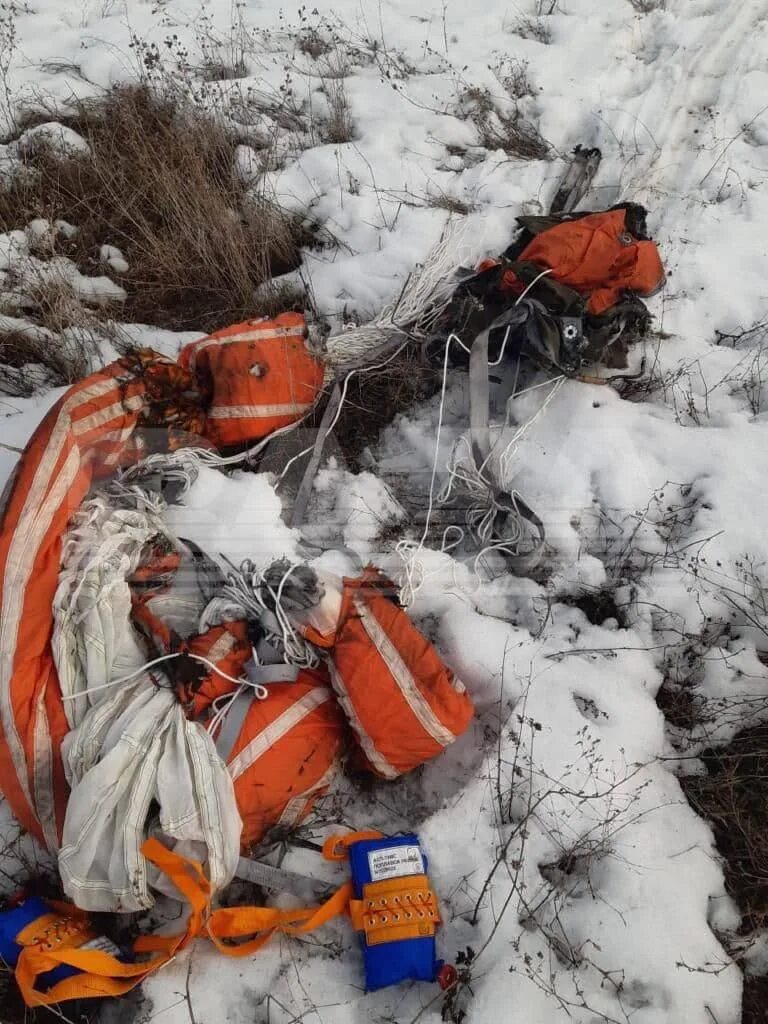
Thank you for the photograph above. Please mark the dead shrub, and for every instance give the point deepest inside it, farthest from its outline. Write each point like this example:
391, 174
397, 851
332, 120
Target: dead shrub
532, 28
444, 201
338, 127
512, 76
161, 184
508, 131
219, 70
32, 359
733, 796
313, 43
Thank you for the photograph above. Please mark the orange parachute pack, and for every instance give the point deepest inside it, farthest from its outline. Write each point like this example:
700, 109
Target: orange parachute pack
596, 256
140, 404
404, 704
257, 376
381, 683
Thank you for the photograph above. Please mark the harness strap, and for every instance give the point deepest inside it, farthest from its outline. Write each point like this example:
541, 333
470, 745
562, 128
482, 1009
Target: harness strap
394, 909
305, 487
263, 675
278, 879
239, 706
105, 975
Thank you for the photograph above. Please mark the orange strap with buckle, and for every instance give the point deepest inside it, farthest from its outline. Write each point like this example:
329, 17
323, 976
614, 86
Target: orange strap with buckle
393, 909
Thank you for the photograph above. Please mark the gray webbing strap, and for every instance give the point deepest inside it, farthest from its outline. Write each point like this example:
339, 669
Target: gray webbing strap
305, 487
479, 416
240, 705
479, 398
280, 880
266, 674
269, 621
233, 723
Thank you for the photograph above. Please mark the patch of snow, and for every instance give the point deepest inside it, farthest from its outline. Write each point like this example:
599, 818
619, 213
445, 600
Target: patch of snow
58, 137
66, 229
114, 259
247, 163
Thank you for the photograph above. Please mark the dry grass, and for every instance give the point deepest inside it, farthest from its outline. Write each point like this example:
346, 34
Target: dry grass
497, 129
161, 184
375, 398
338, 127
33, 359
534, 28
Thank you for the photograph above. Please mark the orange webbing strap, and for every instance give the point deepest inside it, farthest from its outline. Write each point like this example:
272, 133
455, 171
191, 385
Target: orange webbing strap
262, 922
335, 847
53, 940
394, 909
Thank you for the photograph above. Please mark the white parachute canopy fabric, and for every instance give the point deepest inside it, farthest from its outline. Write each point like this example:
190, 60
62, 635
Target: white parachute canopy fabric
136, 766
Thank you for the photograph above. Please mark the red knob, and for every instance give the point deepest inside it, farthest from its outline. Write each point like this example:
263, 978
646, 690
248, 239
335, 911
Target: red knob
447, 976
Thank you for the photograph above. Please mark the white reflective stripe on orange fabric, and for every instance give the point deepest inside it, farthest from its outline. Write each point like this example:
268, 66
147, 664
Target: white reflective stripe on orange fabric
31, 528
42, 773
112, 412
221, 648
275, 731
254, 334
33, 523
402, 675
379, 762
247, 412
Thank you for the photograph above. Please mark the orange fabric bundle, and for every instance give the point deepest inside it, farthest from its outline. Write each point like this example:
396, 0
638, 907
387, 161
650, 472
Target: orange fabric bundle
287, 754
596, 256
402, 701
257, 376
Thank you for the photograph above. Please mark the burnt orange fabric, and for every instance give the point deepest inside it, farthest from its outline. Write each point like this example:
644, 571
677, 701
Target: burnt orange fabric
597, 257
257, 376
197, 685
82, 437
91, 431
403, 703
287, 754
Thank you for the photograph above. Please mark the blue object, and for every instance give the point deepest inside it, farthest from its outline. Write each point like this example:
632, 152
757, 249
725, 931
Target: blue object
16, 920
389, 963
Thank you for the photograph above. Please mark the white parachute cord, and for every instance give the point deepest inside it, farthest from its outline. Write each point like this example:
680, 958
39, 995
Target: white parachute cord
421, 302
413, 574
261, 691
342, 399
244, 586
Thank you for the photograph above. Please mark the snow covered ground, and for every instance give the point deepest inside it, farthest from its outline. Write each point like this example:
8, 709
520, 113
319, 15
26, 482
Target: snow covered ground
560, 841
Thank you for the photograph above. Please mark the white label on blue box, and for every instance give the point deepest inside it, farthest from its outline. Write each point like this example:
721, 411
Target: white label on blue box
394, 861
